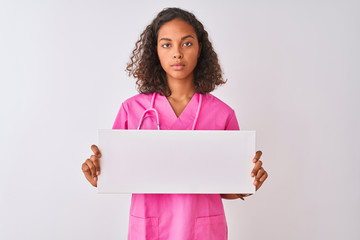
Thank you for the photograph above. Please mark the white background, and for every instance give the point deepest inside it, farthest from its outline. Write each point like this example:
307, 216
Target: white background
293, 76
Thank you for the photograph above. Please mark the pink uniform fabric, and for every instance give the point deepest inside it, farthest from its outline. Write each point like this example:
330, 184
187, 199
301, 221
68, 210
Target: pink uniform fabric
177, 216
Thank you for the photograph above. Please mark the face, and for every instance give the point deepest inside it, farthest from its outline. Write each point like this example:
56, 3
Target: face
178, 49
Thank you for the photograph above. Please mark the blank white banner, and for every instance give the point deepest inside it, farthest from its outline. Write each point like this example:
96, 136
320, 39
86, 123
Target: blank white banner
174, 161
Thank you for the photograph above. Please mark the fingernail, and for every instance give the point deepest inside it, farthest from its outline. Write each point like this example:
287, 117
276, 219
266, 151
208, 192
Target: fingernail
256, 182
252, 175
98, 172
94, 178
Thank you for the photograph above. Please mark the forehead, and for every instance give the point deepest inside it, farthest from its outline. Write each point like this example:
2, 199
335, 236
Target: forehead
176, 28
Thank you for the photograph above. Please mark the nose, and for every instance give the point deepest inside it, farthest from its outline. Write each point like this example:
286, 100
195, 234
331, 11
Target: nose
178, 54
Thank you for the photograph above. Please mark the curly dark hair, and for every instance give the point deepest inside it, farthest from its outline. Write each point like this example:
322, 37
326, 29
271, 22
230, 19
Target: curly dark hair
145, 64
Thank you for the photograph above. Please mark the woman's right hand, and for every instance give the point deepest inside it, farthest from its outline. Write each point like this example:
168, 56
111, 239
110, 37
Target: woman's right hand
91, 167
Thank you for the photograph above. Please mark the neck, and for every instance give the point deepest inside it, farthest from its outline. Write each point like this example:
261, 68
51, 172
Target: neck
181, 88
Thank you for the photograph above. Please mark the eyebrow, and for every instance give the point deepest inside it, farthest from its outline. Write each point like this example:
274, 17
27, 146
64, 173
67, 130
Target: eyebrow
168, 39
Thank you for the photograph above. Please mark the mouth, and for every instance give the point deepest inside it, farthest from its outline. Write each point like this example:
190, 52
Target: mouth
178, 67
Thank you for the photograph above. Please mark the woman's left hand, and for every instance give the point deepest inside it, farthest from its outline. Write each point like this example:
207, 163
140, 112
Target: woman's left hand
258, 172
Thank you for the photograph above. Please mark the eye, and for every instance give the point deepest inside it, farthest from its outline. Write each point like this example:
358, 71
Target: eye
166, 45
187, 44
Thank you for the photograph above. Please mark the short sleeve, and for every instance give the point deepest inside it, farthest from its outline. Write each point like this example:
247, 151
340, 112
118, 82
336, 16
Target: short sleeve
121, 121
232, 123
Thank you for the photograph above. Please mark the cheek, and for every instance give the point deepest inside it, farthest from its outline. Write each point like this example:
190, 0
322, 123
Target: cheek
162, 57
163, 61
193, 58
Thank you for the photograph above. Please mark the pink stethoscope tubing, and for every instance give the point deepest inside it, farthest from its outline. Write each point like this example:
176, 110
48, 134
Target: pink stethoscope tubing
157, 115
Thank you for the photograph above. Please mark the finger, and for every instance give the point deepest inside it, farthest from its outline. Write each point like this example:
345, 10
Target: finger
257, 156
85, 168
256, 168
259, 173
240, 196
260, 182
258, 186
96, 150
264, 177
91, 180
91, 167
96, 163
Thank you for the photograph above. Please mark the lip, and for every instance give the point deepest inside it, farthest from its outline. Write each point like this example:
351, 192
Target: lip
178, 67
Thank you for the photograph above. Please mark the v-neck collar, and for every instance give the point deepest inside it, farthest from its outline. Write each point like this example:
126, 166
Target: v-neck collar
188, 105
186, 117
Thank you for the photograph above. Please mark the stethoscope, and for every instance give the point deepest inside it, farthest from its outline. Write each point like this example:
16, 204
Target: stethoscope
157, 115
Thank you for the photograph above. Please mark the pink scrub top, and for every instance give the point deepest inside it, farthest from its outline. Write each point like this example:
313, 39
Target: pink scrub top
177, 216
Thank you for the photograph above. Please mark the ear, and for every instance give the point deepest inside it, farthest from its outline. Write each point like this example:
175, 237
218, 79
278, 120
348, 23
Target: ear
200, 47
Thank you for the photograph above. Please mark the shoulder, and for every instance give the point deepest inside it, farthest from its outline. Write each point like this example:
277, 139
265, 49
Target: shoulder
141, 97
137, 100
215, 103
131, 110
217, 115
